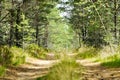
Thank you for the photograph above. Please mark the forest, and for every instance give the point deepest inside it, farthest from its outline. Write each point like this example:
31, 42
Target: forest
59, 40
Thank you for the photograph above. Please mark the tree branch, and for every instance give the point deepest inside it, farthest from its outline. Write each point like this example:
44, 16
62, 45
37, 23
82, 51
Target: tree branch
4, 17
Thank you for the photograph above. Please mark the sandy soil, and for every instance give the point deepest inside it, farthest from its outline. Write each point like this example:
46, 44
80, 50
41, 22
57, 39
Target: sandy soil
94, 71
30, 71
35, 68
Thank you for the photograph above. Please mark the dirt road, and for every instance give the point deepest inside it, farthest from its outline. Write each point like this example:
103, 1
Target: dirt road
94, 71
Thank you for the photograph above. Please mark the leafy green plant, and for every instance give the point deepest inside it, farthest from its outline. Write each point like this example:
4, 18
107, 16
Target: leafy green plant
87, 52
18, 56
11, 56
2, 70
66, 69
36, 51
5, 55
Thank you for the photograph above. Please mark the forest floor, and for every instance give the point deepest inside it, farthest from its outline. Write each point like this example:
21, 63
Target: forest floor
35, 68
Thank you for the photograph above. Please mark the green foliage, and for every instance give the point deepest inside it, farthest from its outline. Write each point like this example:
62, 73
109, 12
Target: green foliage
2, 70
36, 51
67, 69
95, 37
19, 56
5, 55
60, 33
87, 52
109, 57
11, 56
111, 61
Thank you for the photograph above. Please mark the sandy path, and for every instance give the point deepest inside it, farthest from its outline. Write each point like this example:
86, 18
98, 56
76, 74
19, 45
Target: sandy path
30, 71
36, 68
94, 71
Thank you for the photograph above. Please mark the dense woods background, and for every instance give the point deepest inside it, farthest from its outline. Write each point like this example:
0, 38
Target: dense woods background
90, 22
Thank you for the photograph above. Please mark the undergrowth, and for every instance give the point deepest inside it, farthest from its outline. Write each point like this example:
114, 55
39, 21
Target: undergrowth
2, 70
108, 56
14, 56
66, 69
19, 56
36, 51
86, 52
111, 61
11, 56
6, 55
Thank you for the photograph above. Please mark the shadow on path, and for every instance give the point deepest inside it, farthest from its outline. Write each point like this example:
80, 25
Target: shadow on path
33, 69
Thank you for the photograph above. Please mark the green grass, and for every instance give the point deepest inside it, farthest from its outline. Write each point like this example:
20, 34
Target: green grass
2, 70
67, 69
36, 51
11, 56
87, 52
16, 56
19, 56
112, 64
109, 57
111, 61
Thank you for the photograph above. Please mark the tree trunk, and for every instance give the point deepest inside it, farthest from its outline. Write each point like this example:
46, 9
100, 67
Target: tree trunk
115, 19
1, 36
0, 8
11, 37
46, 36
37, 34
17, 33
36, 26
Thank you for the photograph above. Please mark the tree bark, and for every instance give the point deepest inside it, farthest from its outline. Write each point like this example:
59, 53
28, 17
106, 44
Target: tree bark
11, 37
115, 19
36, 26
46, 37
0, 8
17, 33
12, 15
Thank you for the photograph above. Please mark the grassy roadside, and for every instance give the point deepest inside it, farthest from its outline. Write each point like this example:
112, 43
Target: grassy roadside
86, 52
2, 70
14, 56
108, 57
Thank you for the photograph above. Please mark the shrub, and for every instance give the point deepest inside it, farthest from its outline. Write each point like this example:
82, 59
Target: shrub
36, 51
18, 56
5, 55
11, 56
87, 52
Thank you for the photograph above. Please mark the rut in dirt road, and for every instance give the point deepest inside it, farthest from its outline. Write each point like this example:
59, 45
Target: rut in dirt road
33, 69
